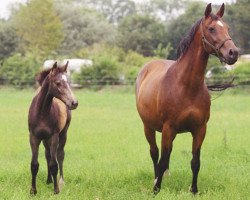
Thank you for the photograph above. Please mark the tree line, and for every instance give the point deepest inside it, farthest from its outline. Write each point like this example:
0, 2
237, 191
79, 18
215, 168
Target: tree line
118, 35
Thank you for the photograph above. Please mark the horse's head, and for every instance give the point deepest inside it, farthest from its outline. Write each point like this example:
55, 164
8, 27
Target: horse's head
59, 86
215, 36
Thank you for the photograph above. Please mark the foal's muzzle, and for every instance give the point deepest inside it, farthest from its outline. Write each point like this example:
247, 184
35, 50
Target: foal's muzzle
73, 105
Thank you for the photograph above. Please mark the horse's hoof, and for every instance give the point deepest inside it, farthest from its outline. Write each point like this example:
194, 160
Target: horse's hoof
33, 191
156, 190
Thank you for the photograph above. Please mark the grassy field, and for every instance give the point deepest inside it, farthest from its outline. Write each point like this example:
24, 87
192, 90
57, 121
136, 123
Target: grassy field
107, 156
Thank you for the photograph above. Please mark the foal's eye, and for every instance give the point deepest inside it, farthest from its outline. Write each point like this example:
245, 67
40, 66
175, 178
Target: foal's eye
211, 29
58, 83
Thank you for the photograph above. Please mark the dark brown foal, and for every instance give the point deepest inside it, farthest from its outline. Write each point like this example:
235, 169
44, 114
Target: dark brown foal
49, 119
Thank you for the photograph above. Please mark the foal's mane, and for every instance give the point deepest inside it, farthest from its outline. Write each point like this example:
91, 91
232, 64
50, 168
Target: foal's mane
186, 41
43, 74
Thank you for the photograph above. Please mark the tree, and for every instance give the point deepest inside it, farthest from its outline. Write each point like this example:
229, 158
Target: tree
8, 40
239, 20
141, 33
167, 10
83, 28
19, 70
179, 27
39, 27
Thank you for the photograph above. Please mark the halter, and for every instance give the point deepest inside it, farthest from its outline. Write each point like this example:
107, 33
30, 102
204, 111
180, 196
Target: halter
216, 49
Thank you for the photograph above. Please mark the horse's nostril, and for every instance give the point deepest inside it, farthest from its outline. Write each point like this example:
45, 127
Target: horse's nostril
231, 53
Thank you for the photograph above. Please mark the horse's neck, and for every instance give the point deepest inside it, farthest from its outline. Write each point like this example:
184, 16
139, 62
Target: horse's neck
44, 99
192, 65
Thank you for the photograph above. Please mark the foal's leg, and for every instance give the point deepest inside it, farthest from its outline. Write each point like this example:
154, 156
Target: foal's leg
48, 157
34, 166
154, 151
166, 148
61, 154
198, 137
53, 161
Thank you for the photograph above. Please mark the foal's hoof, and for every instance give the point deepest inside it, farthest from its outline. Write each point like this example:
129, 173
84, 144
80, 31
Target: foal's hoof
49, 181
33, 191
56, 191
193, 190
156, 190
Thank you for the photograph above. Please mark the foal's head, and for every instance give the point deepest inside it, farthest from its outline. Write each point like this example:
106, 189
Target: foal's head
215, 36
59, 86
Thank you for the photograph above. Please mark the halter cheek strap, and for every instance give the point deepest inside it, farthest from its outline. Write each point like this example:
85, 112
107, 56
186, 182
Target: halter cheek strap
206, 42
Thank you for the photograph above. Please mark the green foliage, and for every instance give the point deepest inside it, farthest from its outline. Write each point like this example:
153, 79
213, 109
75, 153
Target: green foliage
104, 71
239, 20
179, 27
163, 52
83, 28
19, 70
8, 40
141, 33
132, 65
213, 61
39, 27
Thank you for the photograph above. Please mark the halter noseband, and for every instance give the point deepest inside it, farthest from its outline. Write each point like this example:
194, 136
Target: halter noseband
216, 49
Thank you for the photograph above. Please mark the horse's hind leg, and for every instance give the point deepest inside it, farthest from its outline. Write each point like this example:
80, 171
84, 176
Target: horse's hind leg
166, 147
53, 161
198, 137
34, 166
48, 157
154, 151
61, 154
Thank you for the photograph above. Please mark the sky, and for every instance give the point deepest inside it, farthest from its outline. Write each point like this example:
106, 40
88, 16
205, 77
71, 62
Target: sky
5, 4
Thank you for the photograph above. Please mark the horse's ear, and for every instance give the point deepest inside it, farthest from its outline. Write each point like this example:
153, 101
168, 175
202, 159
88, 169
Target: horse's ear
54, 68
220, 13
208, 10
66, 66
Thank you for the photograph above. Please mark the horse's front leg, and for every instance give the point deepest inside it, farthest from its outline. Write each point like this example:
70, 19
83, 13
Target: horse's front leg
198, 137
168, 136
53, 161
34, 166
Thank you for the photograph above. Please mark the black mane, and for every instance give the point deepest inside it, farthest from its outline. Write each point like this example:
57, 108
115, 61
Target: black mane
186, 41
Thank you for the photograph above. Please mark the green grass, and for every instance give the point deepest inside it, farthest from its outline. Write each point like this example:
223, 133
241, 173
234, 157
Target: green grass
107, 156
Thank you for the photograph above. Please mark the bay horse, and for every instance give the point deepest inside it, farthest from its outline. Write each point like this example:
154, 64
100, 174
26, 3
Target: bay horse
48, 121
172, 97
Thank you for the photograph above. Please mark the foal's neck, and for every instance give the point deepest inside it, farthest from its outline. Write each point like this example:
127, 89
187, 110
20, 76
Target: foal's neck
192, 65
44, 98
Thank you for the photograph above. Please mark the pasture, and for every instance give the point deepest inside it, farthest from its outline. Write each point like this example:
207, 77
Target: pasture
107, 156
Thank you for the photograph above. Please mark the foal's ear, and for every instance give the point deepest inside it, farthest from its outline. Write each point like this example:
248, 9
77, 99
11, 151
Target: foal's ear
66, 66
54, 68
208, 10
220, 13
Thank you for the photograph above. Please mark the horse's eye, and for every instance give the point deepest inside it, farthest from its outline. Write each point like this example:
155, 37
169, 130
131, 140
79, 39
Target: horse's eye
211, 29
